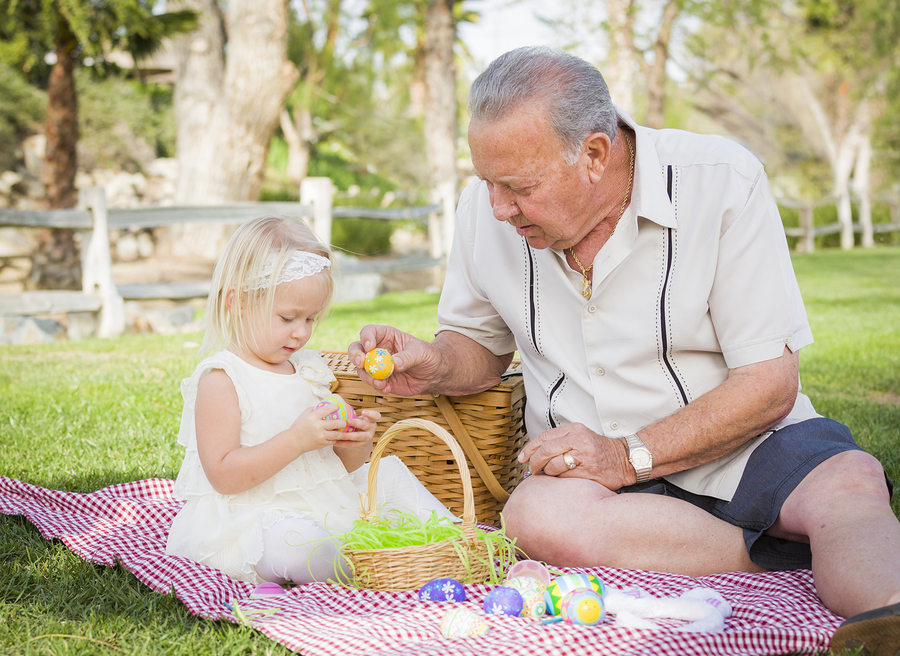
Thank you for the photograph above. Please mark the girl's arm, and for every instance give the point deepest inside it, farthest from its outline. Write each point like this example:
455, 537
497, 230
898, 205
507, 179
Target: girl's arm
232, 468
354, 448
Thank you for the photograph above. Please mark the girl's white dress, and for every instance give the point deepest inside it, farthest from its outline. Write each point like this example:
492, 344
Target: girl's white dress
225, 531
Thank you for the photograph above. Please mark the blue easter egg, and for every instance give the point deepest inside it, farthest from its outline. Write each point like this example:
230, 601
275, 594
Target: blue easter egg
503, 601
583, 606
442, 590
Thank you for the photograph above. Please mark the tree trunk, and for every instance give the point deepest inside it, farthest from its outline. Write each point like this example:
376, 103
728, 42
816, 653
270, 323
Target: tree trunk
621, 65
228, 109
200, 68
57, 264
440, 112
298, 134
656, 72
861, 186
258, 79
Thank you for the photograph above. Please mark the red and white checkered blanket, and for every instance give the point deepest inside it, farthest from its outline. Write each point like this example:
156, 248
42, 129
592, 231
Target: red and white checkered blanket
774, 613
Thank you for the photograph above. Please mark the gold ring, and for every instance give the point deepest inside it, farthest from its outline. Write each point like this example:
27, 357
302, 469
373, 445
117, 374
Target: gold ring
569, 460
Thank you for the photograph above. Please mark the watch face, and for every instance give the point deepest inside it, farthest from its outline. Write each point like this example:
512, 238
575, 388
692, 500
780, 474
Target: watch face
640, 458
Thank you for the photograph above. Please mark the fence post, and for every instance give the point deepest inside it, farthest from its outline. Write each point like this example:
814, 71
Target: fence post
96, 265
808, 243
319, 192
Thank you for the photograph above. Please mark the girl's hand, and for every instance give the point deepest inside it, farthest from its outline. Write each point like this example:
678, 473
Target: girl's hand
312, 431
354, 448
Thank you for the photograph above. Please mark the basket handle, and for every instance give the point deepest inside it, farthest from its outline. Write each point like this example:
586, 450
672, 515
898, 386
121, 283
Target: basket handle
471, 449
468, 521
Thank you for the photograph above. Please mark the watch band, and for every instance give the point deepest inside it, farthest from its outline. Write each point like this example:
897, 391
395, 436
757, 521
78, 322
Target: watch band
640, 458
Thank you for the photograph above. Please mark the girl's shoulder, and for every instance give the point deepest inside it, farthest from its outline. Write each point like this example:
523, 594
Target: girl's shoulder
314, 370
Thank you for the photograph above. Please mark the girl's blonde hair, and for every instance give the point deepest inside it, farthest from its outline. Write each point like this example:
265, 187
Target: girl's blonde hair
244, 259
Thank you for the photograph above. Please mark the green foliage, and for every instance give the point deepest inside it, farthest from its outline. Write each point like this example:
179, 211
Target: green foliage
362, 237
21, 107
122, 121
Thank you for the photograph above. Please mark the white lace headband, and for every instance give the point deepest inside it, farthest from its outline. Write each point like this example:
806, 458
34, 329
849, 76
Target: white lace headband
300, 264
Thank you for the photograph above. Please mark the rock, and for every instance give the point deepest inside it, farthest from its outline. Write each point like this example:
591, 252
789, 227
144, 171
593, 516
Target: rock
21, 330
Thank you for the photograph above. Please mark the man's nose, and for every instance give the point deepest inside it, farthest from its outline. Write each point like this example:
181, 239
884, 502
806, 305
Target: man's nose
503, 204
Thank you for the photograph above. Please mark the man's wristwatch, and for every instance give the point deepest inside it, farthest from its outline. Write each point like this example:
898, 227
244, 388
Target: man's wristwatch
640, 458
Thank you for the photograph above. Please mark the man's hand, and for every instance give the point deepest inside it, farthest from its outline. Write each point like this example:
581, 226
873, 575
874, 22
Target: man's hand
597, 457
416, 362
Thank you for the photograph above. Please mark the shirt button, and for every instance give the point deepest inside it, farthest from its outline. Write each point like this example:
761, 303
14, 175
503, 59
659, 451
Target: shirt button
601, 371
592, 308
614, 425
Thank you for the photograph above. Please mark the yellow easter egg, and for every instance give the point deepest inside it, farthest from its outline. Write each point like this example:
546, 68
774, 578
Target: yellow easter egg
379, 364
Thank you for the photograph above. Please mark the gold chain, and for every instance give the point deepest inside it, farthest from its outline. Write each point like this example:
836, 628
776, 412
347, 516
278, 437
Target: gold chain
585, 282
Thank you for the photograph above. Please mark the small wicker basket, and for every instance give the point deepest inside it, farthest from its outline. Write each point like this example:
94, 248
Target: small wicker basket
489, 426
407, 568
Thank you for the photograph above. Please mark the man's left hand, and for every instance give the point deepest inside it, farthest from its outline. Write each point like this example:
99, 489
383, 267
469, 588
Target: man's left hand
595, 456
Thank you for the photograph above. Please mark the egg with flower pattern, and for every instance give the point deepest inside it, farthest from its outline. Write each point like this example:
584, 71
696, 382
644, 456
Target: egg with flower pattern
442, 590
379, 363
503, 601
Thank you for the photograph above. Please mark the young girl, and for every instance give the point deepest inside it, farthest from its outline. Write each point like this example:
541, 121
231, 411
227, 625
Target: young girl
267, 478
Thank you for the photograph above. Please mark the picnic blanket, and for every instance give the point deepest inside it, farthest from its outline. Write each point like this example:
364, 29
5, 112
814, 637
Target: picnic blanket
773, 613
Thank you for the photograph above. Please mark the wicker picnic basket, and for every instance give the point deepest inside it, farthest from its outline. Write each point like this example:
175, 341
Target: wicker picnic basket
489, 426
407, 568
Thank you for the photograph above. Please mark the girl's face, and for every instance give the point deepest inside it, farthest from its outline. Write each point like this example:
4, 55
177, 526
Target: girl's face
275, 336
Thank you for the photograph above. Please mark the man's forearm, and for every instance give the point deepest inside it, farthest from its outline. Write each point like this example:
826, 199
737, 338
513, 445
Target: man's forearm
466, 366
753, 399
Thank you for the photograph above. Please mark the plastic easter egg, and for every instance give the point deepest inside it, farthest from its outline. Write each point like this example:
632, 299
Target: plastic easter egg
583, 606
266, 591
503, 601
344, 412
530, 568
379, 364
442, 590
533, 604
462, 623
562, 585
525, 584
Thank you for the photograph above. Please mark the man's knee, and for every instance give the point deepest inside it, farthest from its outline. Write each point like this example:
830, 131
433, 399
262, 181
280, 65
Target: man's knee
542, 508
851, 474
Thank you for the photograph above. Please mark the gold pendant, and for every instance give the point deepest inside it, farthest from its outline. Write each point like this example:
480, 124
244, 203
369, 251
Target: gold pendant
585, 287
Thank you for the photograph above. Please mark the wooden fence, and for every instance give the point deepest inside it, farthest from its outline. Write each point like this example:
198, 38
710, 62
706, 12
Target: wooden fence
101, 294
807, 231
93, 219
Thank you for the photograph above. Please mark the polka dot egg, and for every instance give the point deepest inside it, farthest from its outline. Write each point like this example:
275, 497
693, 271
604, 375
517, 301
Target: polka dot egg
379, 363
344, 412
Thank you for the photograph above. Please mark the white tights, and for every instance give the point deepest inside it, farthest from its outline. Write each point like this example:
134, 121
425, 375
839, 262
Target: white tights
298, 550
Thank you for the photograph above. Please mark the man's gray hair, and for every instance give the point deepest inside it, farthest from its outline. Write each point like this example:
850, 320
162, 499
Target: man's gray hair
573, 92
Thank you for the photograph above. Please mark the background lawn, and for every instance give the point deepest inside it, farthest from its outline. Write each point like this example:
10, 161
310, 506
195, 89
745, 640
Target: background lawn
79, 416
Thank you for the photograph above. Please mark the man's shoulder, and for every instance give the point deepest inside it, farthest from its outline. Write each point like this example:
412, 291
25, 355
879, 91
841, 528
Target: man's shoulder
685, 149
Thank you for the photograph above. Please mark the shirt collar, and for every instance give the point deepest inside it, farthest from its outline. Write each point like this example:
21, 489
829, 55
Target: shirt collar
649, 198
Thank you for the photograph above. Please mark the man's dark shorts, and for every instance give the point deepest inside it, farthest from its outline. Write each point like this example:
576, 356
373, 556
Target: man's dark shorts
775, 468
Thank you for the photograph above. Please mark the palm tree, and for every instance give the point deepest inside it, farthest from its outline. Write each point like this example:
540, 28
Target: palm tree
67, 33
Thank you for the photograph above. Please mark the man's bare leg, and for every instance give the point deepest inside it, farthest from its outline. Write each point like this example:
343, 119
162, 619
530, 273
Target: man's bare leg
575, 522
842, 509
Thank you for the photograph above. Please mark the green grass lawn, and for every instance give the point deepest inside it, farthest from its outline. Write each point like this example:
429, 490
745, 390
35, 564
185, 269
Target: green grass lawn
79, 416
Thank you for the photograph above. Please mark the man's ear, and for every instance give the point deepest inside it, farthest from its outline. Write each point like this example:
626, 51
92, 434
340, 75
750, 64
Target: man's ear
598, 149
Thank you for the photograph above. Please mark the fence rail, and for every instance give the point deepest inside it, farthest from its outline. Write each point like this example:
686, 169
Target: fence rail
101, 294
808, 232
99, 291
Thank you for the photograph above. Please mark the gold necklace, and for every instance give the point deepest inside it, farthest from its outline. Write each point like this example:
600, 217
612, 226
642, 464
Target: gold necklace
585, 281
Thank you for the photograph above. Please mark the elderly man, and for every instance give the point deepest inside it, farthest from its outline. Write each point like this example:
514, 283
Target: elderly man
644, 279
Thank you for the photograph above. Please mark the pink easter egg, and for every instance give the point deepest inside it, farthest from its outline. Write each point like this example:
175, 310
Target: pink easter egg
345, 411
